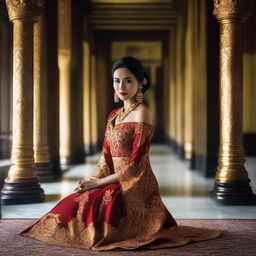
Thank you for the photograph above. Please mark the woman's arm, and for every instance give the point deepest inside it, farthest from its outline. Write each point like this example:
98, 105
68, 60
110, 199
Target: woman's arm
96, 182
113, 178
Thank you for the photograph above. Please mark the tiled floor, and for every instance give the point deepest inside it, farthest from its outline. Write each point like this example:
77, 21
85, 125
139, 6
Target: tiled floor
184, 192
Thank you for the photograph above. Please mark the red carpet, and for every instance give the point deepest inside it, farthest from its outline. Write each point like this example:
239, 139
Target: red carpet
238, 238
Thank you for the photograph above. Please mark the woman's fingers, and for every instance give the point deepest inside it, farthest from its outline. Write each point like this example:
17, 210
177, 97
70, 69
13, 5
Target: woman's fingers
80, 190
79, 185
85, 185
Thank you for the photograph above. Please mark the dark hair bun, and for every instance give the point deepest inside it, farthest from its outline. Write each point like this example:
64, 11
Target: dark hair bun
136, 68
146, 86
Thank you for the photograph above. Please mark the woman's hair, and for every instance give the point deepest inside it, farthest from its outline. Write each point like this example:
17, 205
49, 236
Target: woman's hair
136, 68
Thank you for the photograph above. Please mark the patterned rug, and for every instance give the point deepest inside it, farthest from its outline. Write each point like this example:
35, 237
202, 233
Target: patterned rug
238, 238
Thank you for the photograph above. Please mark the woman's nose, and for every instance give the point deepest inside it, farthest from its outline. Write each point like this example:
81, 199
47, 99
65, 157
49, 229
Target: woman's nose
122, 85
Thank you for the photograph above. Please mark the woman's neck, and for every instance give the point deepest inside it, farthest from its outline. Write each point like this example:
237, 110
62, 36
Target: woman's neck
128, 103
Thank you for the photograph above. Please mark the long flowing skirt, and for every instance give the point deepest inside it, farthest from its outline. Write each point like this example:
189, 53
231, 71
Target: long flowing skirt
96, 219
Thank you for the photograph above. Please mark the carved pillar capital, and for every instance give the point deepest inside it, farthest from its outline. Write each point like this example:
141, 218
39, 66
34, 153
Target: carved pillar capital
28, 10
232, 10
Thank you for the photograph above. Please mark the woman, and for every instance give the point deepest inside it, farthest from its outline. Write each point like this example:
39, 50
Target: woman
120, 205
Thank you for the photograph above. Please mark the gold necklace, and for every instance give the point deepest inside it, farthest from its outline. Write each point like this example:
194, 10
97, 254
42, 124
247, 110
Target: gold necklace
123, 114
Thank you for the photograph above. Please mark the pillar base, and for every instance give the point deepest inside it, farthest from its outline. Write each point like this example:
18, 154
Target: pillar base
171, 143
45, 172
22, 192
66, 161
180, 151
75, 159
206, 165
232, 193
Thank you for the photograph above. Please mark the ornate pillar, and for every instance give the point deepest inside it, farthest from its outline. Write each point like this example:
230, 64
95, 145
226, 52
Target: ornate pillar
4, 83
231, 181
165, 93
21, 185
94, 106
190, 51
180, 86
53, 85
172, 78
86, 97
64, 63
41, 150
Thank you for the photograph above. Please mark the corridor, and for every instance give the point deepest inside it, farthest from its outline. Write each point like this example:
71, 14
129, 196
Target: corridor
185, 192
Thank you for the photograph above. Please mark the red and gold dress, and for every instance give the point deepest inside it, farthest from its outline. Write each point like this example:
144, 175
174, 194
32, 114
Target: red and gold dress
128, 214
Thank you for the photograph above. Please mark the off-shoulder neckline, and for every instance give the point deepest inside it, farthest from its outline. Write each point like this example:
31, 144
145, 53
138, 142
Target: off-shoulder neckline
134, 123
114, 117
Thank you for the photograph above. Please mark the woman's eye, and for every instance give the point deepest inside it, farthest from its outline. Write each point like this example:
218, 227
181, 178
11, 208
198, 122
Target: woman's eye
116, 81
128, 81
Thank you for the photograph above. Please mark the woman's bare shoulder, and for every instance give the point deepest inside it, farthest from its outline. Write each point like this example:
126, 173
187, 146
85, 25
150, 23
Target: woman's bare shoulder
144, 114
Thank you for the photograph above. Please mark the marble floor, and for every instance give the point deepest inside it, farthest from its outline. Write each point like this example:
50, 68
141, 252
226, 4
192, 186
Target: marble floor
185, 193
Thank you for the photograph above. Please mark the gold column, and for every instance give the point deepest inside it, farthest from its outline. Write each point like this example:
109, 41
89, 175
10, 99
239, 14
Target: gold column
180, 86
200, 155
166, 99
94, 107
101, 91
64, 62
53, 85
41, 150
231, 181
86, 97
21, 185
172, 80
188, 90
4, 83
150, 95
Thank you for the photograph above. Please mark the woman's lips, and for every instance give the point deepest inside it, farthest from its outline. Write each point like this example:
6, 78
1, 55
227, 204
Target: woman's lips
122, 93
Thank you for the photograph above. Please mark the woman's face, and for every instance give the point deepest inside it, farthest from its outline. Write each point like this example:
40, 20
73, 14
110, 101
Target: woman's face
125, 84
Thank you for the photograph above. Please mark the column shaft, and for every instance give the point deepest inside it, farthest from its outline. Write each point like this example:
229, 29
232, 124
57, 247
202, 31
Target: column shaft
231, 91
190, 50
180, 87
172, 78
94, 107
41, 154
64, 63
53, 85
65, 119
22, 150
86, 97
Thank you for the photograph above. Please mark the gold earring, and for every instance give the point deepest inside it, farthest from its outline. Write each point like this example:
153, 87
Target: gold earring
139, 96
116, 98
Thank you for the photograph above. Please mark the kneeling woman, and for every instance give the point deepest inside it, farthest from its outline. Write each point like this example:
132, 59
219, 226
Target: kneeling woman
120, 205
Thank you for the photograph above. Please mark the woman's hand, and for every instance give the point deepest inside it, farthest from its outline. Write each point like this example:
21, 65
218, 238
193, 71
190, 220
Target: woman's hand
87, 184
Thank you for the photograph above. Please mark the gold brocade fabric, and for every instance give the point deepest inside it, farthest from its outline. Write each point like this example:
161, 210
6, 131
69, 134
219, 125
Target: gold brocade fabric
127, 215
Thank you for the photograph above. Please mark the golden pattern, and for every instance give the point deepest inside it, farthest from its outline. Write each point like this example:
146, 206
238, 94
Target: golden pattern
107, 197
22, 14
230, 15
41, 149
27, 10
